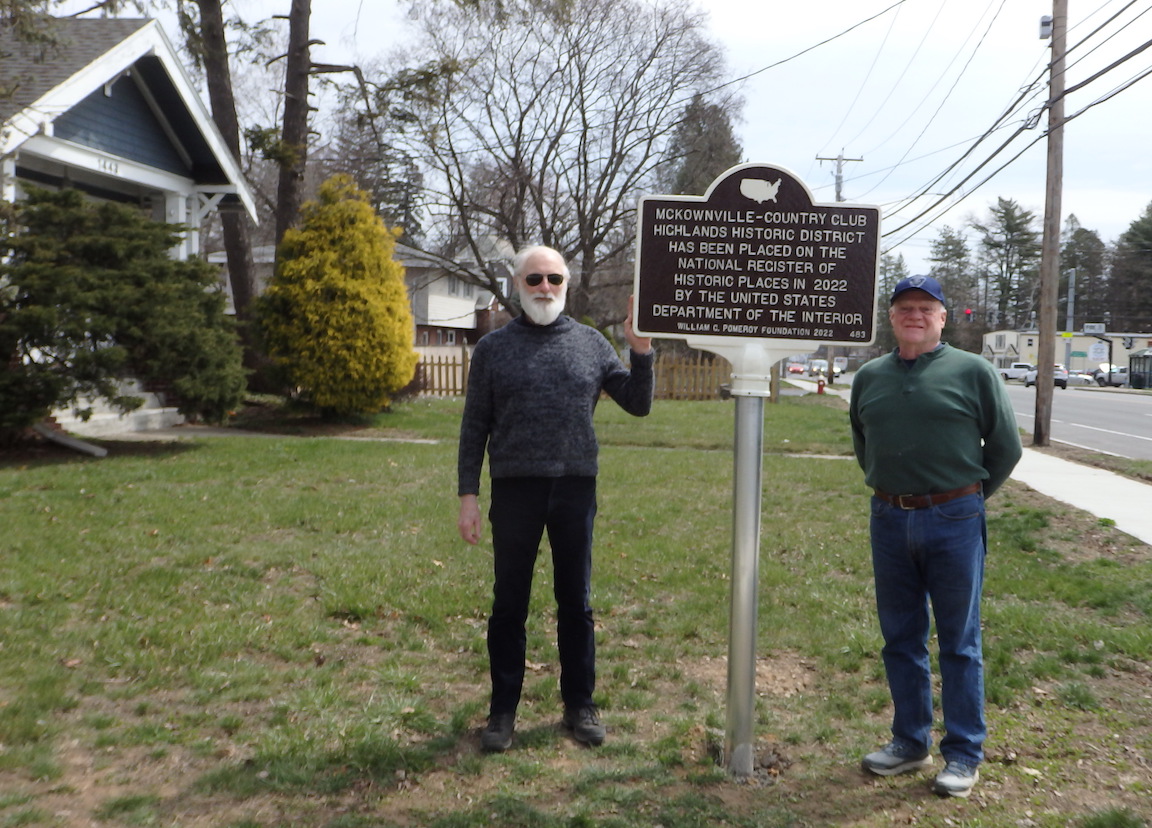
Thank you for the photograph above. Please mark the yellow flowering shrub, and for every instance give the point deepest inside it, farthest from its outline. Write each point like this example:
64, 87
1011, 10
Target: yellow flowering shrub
335, 316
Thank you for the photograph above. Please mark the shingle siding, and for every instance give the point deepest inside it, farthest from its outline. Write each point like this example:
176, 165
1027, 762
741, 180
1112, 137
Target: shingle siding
122, 124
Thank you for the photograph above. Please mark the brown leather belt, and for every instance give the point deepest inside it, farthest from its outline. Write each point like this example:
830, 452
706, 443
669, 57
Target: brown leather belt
924, 501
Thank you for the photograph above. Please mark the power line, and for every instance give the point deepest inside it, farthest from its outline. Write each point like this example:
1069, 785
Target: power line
944, 100
1026, 125
1144, 74
1028, 92
867, 75
803, 52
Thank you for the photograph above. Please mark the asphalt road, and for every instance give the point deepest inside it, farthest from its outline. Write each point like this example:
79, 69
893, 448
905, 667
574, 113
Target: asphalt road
1114, 421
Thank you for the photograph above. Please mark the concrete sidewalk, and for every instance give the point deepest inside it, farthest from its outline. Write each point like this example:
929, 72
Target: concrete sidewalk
1097, 491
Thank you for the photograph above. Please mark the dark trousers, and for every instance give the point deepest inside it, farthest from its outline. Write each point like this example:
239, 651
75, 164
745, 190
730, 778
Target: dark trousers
522, 509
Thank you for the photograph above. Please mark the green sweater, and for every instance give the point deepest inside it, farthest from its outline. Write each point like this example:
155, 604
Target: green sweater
943, 423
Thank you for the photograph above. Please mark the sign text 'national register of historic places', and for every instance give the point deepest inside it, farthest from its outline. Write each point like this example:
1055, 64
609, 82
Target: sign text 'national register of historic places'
756, 258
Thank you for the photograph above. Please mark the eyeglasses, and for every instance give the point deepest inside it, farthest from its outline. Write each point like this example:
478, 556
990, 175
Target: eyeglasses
533, 279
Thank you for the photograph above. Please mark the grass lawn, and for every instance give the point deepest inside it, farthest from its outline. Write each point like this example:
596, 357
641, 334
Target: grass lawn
255, 631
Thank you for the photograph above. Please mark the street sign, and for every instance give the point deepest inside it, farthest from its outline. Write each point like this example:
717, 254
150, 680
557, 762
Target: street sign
1096, 328
756, 258
1098, 352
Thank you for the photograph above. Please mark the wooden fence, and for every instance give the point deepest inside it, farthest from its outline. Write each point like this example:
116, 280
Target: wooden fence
698, 377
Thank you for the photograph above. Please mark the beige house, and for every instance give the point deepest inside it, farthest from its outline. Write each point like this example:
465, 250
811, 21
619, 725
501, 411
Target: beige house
1075, 350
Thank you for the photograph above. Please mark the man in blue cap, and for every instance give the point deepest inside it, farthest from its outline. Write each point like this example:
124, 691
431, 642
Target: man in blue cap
935, 434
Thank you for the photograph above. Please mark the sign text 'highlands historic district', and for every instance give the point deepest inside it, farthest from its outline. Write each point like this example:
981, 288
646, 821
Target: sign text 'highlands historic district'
756, 258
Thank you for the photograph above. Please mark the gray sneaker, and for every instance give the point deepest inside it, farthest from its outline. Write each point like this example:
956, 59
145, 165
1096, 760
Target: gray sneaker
892, 759
957, 779
497, 736
585, 725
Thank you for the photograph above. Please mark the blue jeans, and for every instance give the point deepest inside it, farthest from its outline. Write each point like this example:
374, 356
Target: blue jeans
933, 555
522, 509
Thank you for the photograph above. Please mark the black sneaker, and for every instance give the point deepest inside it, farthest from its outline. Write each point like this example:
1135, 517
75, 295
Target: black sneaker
584, 722
497, 736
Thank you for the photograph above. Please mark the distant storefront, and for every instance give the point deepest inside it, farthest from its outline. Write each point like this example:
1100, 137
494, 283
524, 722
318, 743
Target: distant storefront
1075, 350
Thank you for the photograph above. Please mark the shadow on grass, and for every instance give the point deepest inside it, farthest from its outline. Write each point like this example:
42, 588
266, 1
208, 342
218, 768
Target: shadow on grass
303, 769
40, 452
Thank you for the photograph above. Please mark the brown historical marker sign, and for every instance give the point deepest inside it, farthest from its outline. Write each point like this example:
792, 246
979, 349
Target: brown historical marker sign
757, 258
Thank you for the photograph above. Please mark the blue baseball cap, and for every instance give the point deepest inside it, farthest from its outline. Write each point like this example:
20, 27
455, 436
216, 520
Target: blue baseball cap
924, 283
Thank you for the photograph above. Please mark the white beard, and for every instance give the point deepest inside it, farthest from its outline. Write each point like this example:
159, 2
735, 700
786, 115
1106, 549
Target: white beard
544, 310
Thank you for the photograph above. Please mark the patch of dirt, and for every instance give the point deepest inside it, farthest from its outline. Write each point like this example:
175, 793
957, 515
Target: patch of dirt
1042, 762
32, 449
1045, 760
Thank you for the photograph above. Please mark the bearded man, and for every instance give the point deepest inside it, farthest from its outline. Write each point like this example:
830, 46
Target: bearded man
532, 388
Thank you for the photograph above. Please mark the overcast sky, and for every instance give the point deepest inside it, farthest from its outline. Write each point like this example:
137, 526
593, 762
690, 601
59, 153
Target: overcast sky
909, 87
913, 89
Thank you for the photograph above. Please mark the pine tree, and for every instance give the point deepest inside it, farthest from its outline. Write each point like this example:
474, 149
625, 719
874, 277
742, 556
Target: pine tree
335, 316
893, 268
703, 146
1010, 249
1129, 294
1083, 265
90, 297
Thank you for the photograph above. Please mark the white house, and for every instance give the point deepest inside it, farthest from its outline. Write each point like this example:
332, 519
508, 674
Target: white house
447, 311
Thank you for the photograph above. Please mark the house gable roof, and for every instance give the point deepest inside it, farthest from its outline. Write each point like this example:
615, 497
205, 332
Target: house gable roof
45, 86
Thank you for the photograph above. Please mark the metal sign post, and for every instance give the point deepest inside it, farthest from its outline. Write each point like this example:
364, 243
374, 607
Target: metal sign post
753, 271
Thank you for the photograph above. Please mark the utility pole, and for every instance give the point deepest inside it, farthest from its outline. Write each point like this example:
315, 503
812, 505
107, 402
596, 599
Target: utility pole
1050, 246
839, 159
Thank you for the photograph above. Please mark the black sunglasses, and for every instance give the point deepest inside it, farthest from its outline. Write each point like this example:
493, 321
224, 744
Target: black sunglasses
533, 279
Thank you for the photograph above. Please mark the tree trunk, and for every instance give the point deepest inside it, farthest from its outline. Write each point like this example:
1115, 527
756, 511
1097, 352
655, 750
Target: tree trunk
233, 223
295, 133
237, 245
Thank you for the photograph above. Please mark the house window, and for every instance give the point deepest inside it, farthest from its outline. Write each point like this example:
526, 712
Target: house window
1000, 342
453, 286
450, 336
423, 337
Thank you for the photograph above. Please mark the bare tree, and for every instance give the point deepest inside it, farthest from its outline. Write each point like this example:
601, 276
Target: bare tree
543, 121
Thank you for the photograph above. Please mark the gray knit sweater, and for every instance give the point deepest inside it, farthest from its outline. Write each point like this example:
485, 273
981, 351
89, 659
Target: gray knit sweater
531, 394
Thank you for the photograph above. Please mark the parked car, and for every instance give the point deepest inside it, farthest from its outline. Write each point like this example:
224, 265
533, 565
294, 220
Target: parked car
1077, 377
1117, 377
795, 368
820, 366
1059, 375
1016, 370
